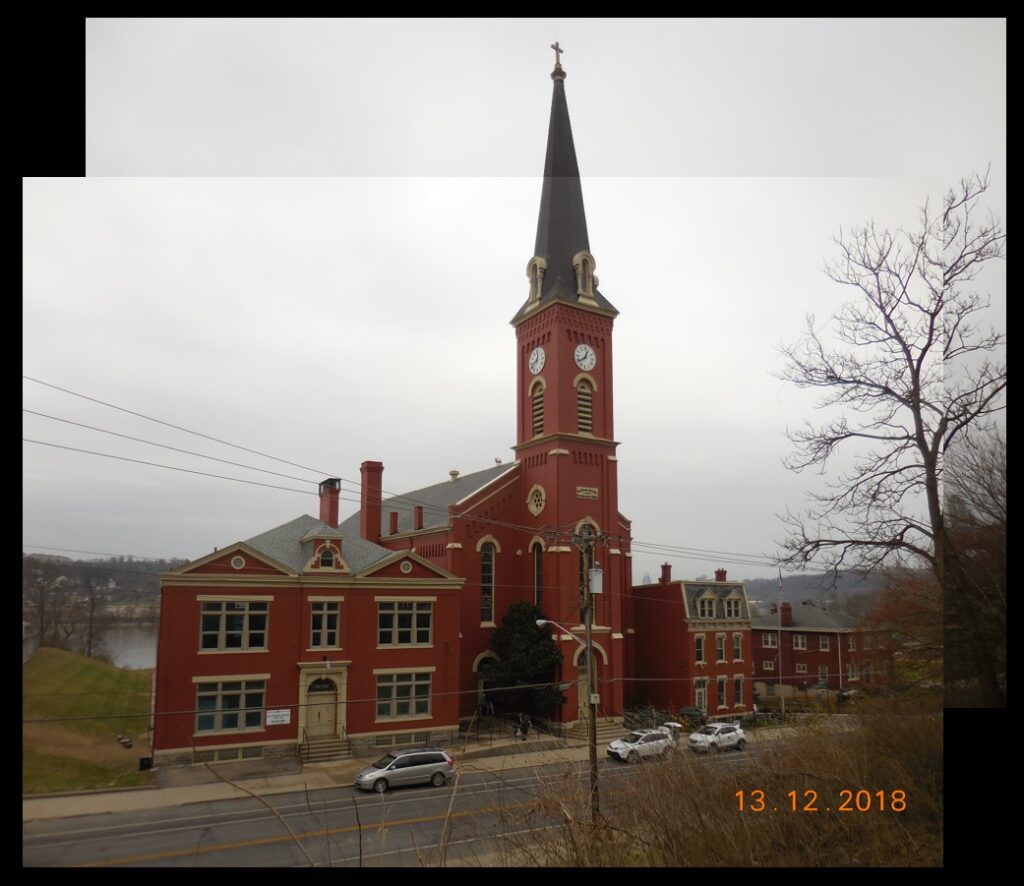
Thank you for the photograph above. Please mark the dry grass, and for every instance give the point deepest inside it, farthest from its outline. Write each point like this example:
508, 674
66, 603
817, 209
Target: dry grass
73, 751
686, 813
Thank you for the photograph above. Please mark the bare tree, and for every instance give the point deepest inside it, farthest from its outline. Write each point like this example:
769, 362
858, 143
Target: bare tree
907, 372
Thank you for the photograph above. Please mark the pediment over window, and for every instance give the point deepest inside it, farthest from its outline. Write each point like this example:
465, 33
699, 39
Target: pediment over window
407, 564
238, 559
326, 559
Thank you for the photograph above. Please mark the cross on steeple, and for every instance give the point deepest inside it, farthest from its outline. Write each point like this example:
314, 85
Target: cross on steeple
558, 52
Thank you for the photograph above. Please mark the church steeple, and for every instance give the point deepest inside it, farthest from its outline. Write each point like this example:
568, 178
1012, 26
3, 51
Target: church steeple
562, 268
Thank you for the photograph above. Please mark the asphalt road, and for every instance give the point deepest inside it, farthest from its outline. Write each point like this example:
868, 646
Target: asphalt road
472, 822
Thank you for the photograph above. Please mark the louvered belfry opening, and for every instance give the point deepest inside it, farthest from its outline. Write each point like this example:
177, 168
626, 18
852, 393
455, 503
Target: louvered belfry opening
538, 410
585, 408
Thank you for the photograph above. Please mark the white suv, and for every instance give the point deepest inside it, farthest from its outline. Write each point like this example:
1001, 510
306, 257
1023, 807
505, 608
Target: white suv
640, 744
718, 737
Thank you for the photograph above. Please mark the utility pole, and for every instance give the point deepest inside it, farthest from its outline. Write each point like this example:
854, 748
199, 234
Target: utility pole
585, 541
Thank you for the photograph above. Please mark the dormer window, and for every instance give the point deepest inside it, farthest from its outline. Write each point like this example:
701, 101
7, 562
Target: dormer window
583, 264
326, 559
706, 607
535, 272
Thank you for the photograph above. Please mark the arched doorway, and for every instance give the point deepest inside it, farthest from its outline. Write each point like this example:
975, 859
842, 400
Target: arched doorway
322, 708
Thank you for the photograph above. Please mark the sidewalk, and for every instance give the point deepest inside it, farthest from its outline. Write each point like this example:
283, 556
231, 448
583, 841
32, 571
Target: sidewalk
502, 754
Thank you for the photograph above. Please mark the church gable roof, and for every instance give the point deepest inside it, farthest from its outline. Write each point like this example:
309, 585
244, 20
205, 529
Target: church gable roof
435, 500
292, 544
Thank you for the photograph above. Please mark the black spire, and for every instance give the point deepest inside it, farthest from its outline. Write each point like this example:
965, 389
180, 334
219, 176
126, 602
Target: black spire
562, 224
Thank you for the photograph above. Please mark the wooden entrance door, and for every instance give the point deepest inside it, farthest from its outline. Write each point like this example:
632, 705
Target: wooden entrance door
322, 708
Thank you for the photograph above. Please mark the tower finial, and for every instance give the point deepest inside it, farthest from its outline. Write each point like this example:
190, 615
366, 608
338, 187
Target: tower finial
557, 73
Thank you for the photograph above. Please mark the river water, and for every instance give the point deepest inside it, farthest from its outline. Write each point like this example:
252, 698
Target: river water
131, 645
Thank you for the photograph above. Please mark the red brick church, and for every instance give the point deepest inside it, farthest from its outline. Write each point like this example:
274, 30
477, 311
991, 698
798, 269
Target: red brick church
371, 632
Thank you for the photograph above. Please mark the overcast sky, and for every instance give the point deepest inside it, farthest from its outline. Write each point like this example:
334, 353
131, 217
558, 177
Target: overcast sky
308, 238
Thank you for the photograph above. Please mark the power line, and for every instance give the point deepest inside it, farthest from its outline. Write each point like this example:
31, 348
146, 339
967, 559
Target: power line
165, 446
170, 425
168, 467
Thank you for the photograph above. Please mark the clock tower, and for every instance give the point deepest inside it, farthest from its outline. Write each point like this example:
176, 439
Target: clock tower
564, 426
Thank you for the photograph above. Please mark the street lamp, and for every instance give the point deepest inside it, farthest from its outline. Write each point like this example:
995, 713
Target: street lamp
595, 801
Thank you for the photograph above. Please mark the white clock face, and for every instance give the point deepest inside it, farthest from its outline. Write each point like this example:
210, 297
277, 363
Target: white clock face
586, 359
537, 360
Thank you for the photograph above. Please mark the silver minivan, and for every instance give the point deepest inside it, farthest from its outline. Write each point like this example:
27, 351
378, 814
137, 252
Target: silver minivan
414, 766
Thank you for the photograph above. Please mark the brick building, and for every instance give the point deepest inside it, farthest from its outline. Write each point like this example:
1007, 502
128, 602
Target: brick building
693, 645
809, 646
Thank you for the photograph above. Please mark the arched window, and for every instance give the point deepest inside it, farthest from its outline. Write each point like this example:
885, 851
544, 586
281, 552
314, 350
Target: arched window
584, 407
487, 582
327, 558
538, 408
538, 576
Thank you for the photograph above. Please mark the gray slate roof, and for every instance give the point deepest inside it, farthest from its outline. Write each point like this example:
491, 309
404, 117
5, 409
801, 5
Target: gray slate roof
285, 544
562, 223
694, 590
435, 500
809, 618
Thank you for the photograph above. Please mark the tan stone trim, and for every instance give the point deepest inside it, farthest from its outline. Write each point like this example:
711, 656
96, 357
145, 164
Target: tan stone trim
236, 598
613, 458
419, 718
616, 635
584, 376
488, 624
291, 581
492, 540
579, 651
629, 553
230, 651
539, 380
453, 546
536, 540
315, 667
426, 669
559, 549
426, 530
405, 645
382, 598
209, 733
398, 556
319, 599
315, 649
559, 452
223, 552
379, 732
226, 747
590, 520
487, 653
512, 467
615, 552
229, 678
630, 630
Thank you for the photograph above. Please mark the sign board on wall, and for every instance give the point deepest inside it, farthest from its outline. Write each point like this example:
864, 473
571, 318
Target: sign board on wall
586, 492
280, 717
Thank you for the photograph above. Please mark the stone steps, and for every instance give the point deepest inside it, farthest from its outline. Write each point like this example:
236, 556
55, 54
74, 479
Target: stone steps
321, 750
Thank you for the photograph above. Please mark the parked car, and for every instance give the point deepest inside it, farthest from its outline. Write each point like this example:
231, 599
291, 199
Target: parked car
718, 737
400, 768
673, 730
693, 717
640, 744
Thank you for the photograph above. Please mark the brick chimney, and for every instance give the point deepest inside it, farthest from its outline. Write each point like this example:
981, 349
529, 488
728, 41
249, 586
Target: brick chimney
369, 500
773, 608
417, 517
787, 615
392, 522
719, 575
329, 491
666, 573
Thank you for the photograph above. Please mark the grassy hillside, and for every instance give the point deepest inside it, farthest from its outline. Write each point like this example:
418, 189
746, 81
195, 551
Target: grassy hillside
90, 704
